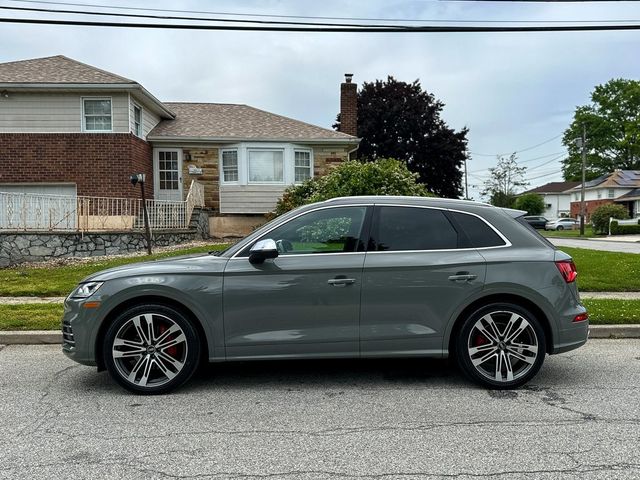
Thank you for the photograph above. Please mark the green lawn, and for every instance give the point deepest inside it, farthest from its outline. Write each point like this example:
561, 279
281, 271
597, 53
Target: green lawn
46, 316
588, 232
606, 271
59, 281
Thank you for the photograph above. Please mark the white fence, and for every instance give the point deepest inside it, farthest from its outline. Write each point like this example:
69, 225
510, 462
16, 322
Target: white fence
34, 212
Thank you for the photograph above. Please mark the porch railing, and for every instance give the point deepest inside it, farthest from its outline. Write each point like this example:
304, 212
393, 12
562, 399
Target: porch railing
36, 212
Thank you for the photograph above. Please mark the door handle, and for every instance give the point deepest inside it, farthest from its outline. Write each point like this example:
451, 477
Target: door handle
341, 282
462, 277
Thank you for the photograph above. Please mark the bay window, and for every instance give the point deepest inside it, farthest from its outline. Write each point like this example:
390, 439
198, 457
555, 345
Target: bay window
265, 166
302, 165
230, 166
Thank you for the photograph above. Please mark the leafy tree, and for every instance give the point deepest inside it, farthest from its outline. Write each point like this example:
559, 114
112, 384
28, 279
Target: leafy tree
612, 131
532, 203
400, 120
600, 216
382, 177
504, 179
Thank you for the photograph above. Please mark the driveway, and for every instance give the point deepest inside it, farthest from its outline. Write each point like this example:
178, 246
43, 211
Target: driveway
605, 246
579, 419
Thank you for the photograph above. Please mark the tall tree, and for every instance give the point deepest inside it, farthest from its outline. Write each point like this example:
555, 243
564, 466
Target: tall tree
504, 179
400, 120
612, 123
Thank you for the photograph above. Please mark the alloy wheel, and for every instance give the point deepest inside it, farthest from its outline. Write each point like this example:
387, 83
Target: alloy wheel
503, 346
149, 350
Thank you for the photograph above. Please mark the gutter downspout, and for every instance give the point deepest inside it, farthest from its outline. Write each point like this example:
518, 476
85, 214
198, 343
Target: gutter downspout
351, 151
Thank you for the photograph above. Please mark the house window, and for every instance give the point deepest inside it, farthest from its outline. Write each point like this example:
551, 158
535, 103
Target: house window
302, 161
230, 165
611, 193
599, 194
137, 121
97, 114
266, 166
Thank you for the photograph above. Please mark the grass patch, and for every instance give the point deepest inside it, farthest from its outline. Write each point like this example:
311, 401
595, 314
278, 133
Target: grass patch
608, 312
600, 271
33, 316
59, 281
46, 316
588, 232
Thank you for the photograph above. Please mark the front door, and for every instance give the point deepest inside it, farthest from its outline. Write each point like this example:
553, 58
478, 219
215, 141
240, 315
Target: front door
168, 174
305, 302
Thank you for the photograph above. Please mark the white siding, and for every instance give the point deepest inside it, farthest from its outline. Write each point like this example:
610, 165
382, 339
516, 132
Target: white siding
56, 112
249, 198
149, 119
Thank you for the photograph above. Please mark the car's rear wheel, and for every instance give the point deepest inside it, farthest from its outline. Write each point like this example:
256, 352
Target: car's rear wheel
151, 349
501, 346
560, 227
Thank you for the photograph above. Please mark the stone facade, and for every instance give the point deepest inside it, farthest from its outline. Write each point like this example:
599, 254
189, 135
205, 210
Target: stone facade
98, 163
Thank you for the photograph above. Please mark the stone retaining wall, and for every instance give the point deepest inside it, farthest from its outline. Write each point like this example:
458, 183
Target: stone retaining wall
21, 247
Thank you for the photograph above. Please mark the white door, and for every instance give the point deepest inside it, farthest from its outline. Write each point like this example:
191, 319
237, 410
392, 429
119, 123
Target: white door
167, 168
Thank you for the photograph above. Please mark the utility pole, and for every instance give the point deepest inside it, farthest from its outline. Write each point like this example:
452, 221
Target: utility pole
466, 180
584, 168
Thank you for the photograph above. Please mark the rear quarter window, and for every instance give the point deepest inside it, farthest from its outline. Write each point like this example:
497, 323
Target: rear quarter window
480, 234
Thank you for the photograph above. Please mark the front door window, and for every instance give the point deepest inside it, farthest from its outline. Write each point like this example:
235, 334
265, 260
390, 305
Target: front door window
168, 167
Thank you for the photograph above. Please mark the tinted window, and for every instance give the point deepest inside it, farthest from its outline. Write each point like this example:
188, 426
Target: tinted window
480, 234
412, 228
329, 230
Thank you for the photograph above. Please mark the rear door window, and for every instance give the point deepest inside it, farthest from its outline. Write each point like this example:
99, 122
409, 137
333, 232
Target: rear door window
411, 228
480, 234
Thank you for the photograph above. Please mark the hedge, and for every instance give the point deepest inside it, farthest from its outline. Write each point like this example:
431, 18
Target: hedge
617, 229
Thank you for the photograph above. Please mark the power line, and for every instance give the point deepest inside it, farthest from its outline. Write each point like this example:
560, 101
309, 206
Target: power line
367, 29
310, 17
516, 151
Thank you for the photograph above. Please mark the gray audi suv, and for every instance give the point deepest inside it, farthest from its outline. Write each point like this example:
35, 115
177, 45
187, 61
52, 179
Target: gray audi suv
350, 277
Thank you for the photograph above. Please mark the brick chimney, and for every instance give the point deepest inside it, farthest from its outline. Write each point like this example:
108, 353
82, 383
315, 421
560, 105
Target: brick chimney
349, 106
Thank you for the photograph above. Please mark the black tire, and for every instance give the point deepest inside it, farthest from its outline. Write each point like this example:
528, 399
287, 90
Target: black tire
470, 339
166, 367
559, 227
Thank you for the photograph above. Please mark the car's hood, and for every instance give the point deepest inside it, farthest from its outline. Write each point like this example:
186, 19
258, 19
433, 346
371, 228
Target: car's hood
197, 263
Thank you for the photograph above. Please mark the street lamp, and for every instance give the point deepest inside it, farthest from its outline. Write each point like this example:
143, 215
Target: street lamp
139, 178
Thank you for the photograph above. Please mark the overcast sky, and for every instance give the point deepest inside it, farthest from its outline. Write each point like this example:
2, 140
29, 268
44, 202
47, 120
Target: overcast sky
512, 90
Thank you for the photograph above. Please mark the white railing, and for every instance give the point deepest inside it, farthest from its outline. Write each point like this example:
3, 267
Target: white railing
35, 212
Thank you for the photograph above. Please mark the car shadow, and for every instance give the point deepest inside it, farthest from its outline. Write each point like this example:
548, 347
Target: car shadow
326, 373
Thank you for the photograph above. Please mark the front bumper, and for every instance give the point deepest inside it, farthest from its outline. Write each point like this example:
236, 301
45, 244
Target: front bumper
79, 331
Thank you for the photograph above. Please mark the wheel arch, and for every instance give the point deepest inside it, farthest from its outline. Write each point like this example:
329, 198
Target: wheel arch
143, 299
501, 298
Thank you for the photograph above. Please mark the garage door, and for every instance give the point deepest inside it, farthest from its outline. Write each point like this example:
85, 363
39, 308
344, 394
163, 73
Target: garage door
38, 206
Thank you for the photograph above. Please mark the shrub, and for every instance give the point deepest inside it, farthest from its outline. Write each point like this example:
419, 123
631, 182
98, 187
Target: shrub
382, 177
617, 229
600, 216
532, 203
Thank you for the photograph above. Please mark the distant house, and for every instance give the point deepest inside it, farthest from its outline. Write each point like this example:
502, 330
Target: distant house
557, 198
67, 128
620, 186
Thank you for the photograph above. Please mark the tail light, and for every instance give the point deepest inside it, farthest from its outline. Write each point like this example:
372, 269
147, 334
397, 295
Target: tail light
568, 270
581, 317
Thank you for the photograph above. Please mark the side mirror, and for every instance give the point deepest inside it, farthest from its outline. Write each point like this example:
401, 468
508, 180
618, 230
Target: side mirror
262, 250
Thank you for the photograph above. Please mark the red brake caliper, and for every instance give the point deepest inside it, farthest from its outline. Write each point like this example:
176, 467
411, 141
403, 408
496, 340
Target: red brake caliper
173, 351
480, 340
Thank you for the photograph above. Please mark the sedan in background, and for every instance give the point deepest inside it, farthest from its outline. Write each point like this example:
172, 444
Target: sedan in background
536, 221
562, 224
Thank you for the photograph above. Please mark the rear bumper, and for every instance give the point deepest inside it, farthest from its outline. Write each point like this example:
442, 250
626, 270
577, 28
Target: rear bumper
571, 338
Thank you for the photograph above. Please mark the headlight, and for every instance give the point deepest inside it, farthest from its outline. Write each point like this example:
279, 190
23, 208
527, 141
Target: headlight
85, 290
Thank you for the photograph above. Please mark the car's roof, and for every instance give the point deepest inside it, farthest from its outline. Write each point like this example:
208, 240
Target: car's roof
394, 199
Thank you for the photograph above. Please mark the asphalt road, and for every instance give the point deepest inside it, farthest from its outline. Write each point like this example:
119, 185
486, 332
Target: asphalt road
579, 419
602, 245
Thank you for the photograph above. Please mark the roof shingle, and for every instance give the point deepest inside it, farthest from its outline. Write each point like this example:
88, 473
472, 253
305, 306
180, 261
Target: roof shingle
57, 69
553, 187
237, 122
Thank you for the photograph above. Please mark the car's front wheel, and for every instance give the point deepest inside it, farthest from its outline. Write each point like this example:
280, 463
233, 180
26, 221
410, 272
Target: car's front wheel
151, 349
560, 227
501, 346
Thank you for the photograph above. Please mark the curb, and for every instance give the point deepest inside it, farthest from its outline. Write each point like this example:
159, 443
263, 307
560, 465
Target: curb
52, 337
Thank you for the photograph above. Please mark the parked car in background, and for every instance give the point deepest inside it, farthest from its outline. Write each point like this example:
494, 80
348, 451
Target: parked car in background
536, 221
349, 277
562, 224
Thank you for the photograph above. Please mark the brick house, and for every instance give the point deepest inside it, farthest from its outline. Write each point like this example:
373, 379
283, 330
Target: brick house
68, 128
620, 186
